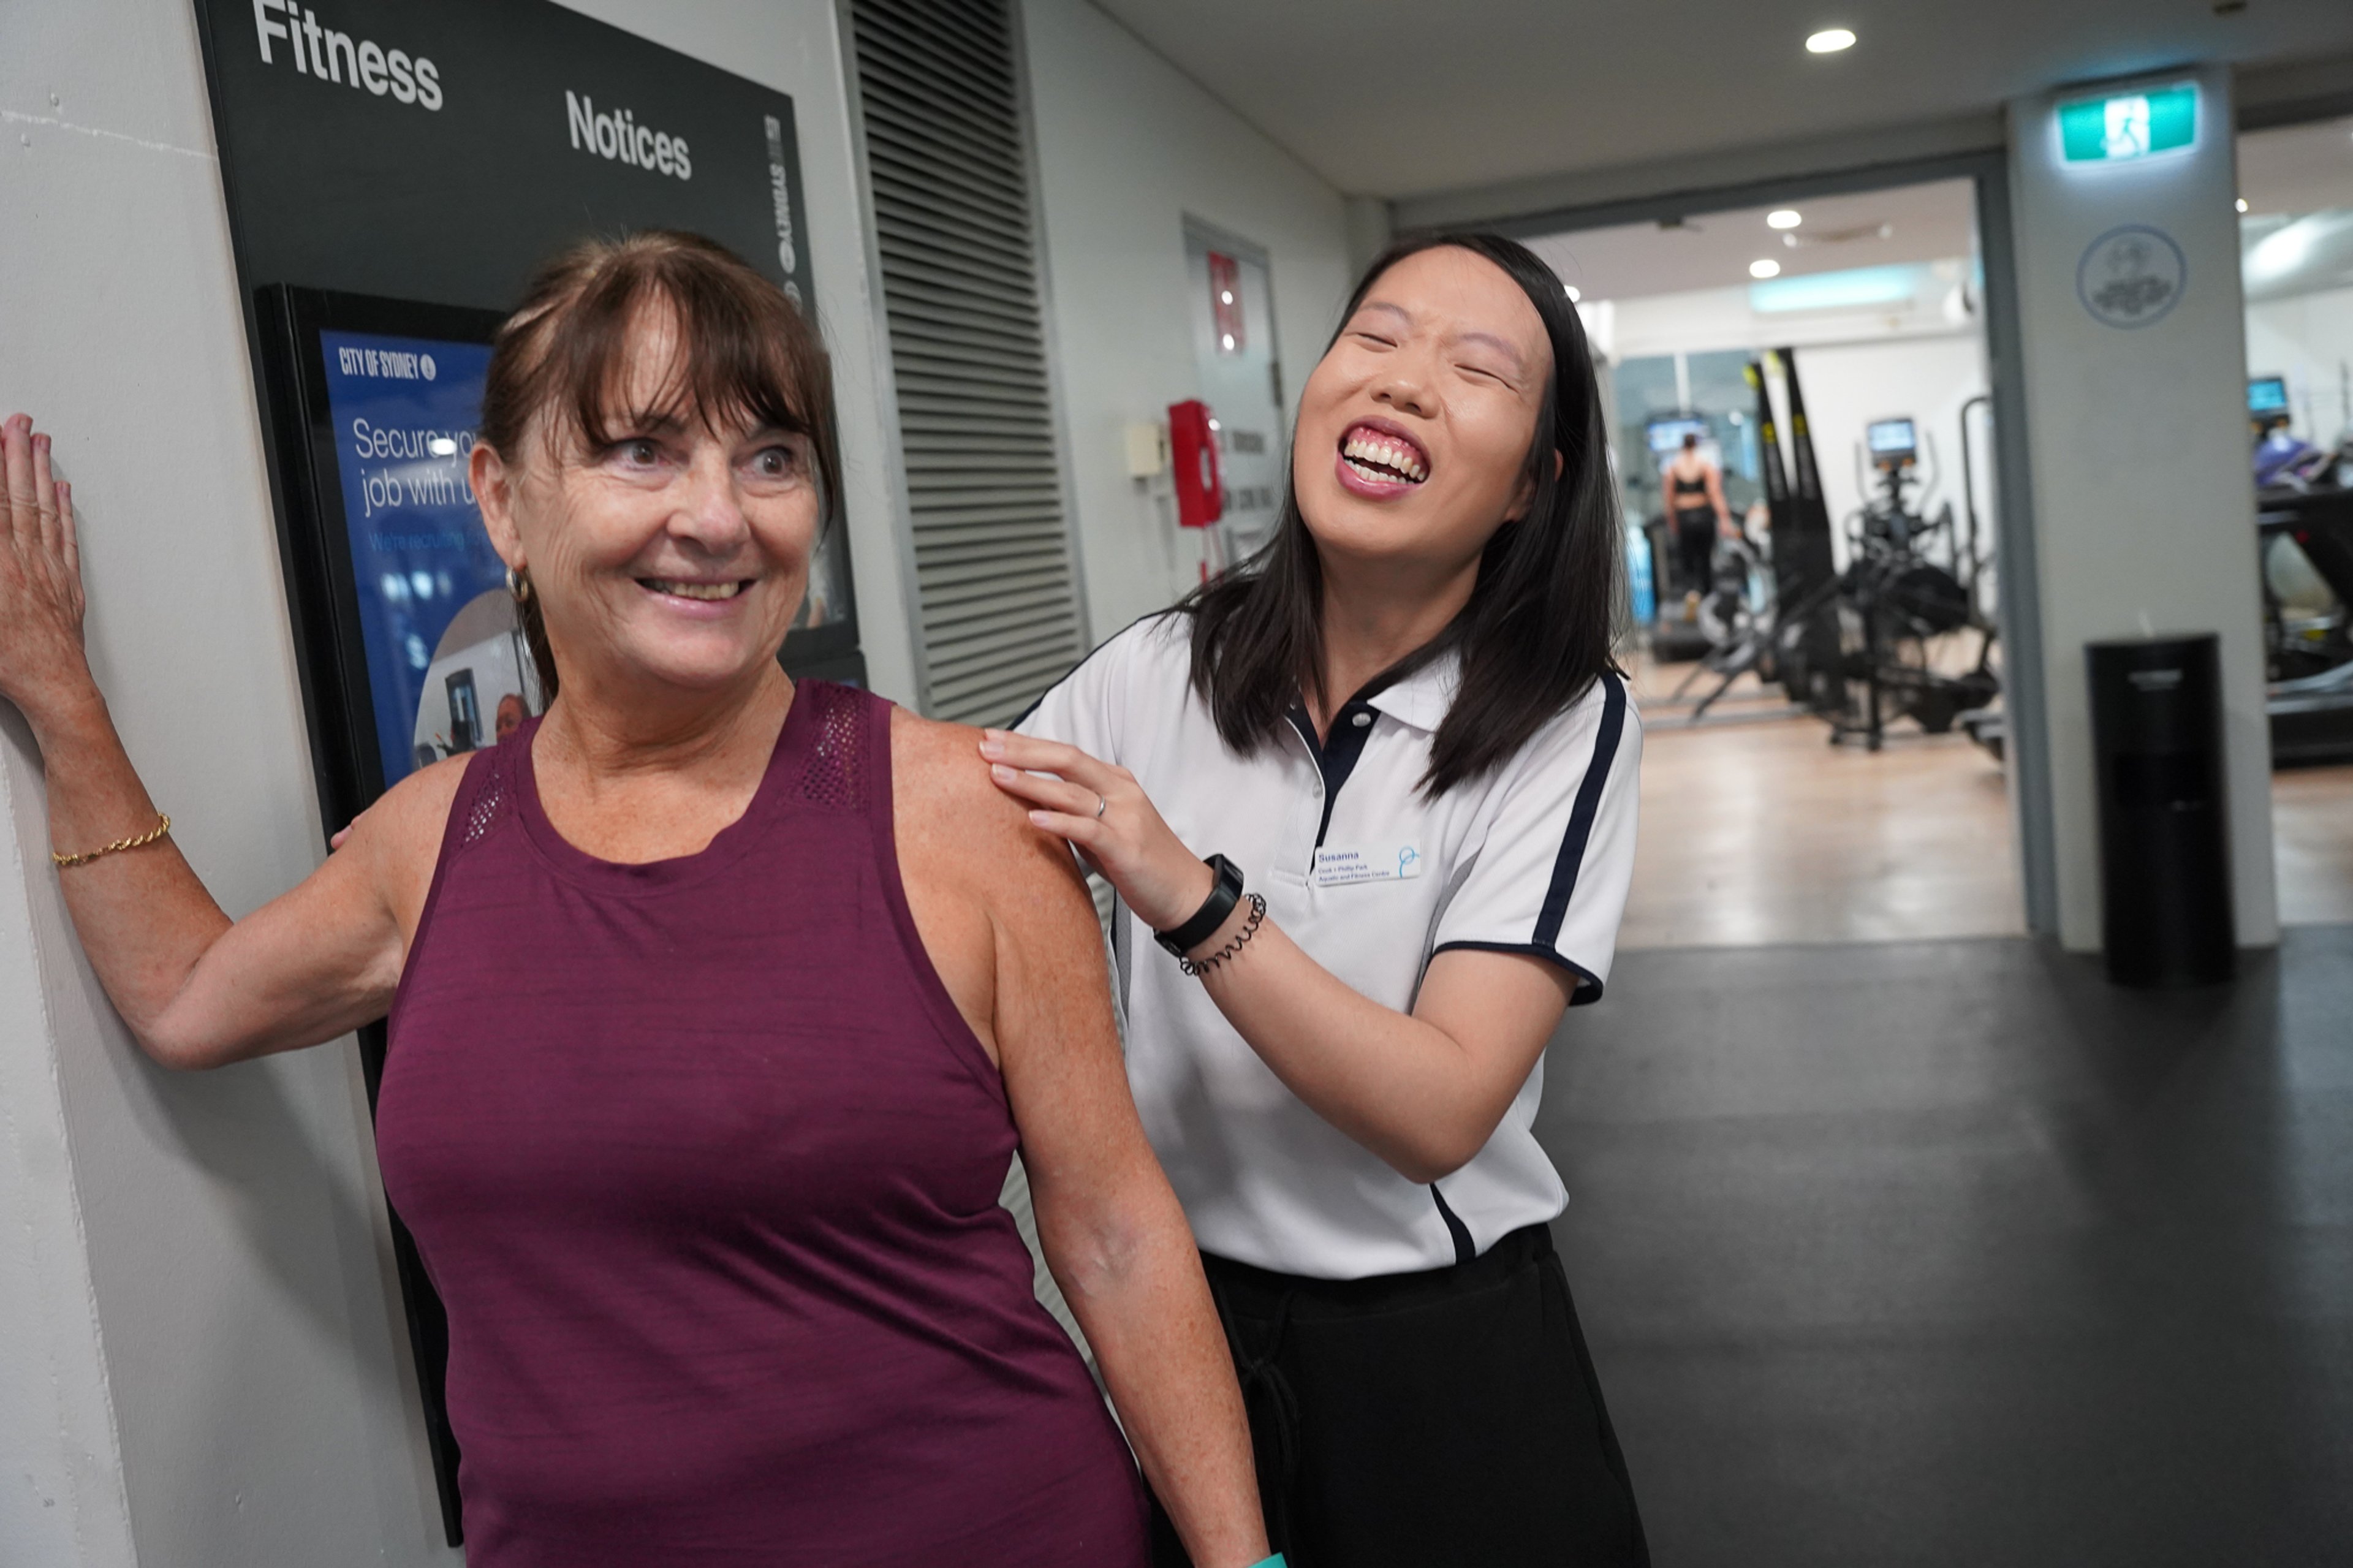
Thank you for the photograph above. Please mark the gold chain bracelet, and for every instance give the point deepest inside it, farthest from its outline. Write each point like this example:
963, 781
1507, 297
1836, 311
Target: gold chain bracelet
162, 826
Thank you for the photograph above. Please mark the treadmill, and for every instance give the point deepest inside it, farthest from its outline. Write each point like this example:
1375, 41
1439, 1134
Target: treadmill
2311, 700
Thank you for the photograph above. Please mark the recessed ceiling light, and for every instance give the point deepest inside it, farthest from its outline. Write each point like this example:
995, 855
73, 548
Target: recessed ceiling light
2241, 204
1787, 218
1573, 295
1830, 41
1764, 267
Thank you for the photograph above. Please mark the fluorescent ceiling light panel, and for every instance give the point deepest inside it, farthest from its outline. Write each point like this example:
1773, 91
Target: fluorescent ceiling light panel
1856, 286
1830, 41
1764, 266
1787, 218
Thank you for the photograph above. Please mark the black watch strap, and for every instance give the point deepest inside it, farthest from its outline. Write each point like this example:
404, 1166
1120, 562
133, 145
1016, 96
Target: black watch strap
1212, 913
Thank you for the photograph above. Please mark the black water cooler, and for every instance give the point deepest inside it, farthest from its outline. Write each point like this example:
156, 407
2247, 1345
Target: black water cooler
2164, 830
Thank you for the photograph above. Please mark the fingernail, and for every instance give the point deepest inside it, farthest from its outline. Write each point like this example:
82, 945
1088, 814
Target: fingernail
41, 443
1002, 773
1040, 819
992, 748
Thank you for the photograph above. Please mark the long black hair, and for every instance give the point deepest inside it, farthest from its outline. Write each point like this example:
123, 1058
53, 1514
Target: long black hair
1542, 619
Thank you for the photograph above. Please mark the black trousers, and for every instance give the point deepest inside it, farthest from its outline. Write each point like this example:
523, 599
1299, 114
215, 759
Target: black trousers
1695, 549
1426, 1420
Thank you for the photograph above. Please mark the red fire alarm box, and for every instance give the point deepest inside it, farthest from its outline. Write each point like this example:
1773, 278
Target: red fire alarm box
1193, 464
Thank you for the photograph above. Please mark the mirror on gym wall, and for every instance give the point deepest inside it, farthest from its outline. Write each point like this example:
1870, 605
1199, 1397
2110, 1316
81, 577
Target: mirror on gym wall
1803, 438
2295, 204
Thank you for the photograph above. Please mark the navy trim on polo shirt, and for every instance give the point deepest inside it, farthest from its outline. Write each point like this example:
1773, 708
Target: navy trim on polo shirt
1464, 1250
1336, 758
1588, 986
1566, 866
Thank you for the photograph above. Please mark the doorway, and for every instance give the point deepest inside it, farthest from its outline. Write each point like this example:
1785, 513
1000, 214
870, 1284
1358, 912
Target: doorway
1818, 639
2296, 190
1241, 378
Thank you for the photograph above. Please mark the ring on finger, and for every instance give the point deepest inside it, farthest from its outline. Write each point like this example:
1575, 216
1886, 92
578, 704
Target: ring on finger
1102, 804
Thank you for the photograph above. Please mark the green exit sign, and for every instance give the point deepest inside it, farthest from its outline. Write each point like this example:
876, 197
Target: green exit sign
2129, 125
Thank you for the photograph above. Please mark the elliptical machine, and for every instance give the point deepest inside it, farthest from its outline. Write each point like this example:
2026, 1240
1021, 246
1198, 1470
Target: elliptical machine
1893, 598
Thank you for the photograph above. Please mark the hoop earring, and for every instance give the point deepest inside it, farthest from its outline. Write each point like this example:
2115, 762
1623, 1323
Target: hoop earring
519, 583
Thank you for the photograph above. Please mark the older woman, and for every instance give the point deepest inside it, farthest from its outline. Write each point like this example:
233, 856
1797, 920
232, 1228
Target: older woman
718, 1005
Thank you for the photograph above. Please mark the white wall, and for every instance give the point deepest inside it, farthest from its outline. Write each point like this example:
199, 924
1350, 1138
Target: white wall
1127, 146
1847, 386
2309, 339
2143, 508
205, 1363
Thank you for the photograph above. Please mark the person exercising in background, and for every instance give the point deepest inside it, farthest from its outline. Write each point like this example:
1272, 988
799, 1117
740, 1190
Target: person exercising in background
1696, 497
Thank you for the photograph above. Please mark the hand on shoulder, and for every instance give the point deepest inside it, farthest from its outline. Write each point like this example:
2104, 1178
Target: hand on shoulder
951, 811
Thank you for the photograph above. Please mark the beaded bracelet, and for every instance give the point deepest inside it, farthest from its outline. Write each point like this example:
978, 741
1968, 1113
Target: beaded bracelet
1232, 948
162, 826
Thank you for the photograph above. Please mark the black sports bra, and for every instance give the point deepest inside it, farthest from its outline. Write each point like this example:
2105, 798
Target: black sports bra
1684, 486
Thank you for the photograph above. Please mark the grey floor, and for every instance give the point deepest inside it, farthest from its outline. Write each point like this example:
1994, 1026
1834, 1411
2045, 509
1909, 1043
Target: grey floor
1947, 1253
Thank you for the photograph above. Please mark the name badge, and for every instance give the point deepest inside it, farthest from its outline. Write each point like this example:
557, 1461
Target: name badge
1345, 867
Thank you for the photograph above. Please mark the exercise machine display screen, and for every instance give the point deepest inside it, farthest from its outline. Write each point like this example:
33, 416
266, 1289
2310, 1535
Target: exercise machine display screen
2267, 394
1891, 440
1666, 435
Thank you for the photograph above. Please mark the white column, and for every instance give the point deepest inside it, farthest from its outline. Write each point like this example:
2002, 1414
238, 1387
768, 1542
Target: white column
63, 1500
205, 1361
2144, 506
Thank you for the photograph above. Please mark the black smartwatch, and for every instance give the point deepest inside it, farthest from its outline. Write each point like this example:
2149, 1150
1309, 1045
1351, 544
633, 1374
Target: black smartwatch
1212, 913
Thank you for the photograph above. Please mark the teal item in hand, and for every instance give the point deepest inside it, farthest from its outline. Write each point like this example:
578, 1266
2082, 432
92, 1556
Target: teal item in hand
1274, 1562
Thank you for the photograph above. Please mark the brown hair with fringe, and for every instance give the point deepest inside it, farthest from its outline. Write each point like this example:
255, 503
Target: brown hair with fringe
560, 366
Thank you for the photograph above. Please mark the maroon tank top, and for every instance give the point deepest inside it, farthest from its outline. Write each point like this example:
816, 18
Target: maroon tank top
705, 1162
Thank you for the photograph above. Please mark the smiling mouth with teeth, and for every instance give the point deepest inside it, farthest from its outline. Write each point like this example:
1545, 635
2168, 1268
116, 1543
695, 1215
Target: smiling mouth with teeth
1383, 459
695, 590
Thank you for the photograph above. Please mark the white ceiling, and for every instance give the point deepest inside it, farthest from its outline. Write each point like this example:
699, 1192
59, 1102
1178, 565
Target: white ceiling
2297, 236
1399, 97
1911, 223
2298, 168
2282, 173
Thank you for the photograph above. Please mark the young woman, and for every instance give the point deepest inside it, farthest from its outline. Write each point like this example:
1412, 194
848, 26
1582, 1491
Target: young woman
718, 1005
1696, 500
1401, 730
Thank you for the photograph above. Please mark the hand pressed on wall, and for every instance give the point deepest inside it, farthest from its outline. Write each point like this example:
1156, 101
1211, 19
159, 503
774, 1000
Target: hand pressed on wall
41, 602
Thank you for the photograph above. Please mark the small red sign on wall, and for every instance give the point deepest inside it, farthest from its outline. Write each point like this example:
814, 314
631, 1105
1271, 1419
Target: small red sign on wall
1226, 302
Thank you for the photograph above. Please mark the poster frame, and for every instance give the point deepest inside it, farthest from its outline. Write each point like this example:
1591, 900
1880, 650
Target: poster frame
339, 706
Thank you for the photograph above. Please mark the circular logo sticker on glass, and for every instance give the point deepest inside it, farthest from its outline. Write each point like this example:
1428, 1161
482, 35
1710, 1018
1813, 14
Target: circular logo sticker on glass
2131, 275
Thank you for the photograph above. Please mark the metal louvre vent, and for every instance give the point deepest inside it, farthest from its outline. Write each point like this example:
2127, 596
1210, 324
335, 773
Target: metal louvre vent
946, 152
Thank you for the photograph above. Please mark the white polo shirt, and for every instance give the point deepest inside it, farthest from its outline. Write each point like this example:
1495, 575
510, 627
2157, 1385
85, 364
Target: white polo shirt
1372, 880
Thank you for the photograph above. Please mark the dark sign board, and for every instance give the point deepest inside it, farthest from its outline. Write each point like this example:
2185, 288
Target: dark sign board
439, 149
395, 169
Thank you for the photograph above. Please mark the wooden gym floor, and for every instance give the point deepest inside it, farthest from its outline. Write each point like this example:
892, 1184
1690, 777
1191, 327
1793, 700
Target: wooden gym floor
1756, 830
